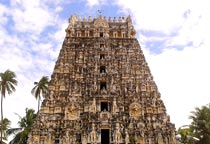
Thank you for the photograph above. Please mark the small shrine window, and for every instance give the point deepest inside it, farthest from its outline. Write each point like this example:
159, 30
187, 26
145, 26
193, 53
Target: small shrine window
101, 34
123, 35
104, 106
102, 69
91, 33
103, 85
115, 34
102, 56
101, 45
57, 141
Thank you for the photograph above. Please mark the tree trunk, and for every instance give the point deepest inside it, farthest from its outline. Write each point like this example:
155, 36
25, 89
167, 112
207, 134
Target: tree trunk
38, 104
1, 117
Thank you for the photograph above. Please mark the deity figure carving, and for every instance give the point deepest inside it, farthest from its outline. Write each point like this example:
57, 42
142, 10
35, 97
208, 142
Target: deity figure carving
84, 139
49, 138
66, 138
75, 88
135, 110
127, 139
95, 86
118, 135
72, 112
114, 108
160, 139
93, 106
113, 89
51, 97
93, 135
153, 100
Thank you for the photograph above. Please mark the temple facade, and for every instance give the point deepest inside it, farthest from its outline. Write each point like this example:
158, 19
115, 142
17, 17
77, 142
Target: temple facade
101, 90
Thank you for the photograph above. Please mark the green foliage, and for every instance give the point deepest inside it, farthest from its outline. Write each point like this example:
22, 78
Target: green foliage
7, 85
186, 135
201, 124
25, 124
198, 132
40, 88
5, 127
7, 82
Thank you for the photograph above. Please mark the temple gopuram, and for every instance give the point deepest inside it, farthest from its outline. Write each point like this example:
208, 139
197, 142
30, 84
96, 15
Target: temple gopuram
101, 90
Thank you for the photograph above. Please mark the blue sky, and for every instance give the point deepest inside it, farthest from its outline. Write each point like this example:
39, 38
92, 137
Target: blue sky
174, 36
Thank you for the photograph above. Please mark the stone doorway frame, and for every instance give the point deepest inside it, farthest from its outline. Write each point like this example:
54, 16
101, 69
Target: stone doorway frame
105, 131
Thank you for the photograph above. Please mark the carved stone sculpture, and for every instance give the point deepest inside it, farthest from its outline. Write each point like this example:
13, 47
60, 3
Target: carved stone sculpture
127, 138
115, 108
101, 89
84, 139
118, 135
135, 110
49, 139
93, 106
71, 112
160, 139
93, 135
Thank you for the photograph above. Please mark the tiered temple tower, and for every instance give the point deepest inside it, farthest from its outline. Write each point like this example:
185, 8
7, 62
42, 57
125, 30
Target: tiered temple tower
101, 90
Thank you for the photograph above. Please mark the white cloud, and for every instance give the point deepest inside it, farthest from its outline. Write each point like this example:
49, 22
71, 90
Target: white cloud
26, 52
182, 78
161, 15
60, 35
194, 29
31, 20
92, 3
58, 9
3, 14
182, 75
34, 16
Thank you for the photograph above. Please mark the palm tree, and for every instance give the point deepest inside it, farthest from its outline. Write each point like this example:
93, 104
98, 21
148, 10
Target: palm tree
201, 124
40, 88
25, 124
5, 126
187, 135
7, 85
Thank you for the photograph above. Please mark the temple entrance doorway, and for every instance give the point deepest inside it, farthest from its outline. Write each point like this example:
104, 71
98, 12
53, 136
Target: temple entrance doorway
105, 136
